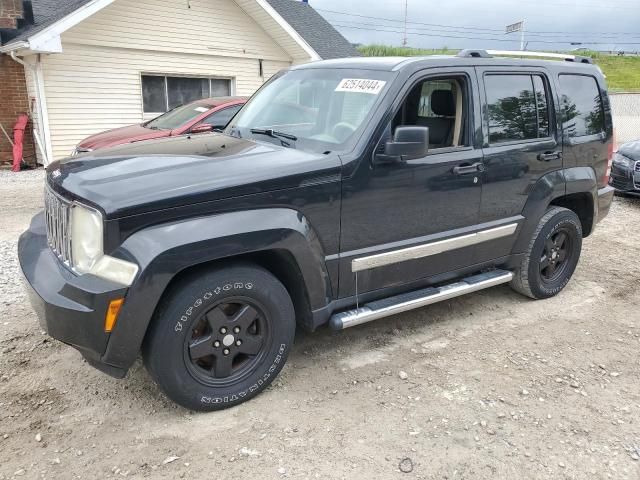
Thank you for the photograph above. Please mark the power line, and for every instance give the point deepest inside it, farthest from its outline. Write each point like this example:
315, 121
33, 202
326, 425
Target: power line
463, 27
420, 34
573, 37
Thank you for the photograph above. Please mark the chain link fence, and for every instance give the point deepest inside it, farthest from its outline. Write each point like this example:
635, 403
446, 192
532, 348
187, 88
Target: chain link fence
626, 116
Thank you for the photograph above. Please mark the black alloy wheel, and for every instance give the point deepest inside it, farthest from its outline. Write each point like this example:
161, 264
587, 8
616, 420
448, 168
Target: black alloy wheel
227, 341
556, 255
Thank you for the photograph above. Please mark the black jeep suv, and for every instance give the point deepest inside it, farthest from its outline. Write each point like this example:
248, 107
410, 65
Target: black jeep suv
344, 191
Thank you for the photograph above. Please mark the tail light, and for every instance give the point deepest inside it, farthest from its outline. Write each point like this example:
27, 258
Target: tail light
610, 151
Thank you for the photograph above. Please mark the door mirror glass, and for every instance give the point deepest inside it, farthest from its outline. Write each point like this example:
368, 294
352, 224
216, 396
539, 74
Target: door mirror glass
408, 143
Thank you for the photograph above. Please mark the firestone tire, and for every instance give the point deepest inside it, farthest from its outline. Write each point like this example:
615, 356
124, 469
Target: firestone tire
220, 338
552, 255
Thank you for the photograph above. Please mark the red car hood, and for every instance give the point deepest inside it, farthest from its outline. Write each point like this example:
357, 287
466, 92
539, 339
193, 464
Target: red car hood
118, 136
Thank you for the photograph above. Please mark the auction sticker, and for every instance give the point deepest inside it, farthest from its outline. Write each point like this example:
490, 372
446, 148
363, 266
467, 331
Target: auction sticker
360, 85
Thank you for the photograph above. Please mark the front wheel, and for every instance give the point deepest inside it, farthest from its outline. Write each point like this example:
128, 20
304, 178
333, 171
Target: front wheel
220, 338
552, 255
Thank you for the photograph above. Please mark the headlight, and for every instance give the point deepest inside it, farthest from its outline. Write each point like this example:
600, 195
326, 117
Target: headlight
87, 249
622, 161
86, 237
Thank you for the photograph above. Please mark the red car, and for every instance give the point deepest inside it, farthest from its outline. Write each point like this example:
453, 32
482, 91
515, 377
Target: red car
200, 116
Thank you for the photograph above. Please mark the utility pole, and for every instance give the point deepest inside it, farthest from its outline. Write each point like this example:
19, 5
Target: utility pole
406, 8
522, 37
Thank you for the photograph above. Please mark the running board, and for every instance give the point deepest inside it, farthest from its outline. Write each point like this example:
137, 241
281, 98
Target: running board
408, 301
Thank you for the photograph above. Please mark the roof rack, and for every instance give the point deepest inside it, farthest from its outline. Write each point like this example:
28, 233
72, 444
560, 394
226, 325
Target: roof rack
470, 53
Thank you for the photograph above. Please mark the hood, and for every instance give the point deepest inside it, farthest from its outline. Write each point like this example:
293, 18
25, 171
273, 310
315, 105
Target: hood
178, 171
631, 150
118, 136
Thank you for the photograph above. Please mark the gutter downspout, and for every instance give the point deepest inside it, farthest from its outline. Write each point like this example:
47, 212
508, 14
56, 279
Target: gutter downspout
42, 106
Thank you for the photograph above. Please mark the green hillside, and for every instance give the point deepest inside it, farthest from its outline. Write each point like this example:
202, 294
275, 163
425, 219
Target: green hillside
623, 73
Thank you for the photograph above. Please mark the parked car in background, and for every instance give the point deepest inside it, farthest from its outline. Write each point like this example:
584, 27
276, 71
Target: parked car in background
200, 116
625, 169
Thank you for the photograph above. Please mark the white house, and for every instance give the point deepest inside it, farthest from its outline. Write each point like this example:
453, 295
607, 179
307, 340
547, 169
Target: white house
92, 65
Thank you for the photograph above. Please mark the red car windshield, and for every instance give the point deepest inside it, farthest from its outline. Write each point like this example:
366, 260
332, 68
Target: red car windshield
177, 117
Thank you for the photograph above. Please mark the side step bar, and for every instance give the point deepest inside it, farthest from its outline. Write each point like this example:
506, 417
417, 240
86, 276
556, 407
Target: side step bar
408, 301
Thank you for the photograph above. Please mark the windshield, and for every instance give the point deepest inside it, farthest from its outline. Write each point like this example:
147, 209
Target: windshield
320, 109
177, 117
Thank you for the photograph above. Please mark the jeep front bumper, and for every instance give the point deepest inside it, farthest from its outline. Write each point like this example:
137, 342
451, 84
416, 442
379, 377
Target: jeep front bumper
70, 308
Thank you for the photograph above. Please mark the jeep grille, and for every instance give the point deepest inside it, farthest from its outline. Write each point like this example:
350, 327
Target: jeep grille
58, 218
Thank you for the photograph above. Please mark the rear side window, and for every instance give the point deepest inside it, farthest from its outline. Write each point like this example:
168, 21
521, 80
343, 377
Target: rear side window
582, 109
518, 107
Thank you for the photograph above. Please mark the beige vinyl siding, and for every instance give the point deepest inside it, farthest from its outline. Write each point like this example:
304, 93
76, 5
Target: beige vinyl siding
95, 84
208, 27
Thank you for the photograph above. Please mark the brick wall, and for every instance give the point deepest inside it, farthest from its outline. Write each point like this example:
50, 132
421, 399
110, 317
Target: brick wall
10, 11
14, 100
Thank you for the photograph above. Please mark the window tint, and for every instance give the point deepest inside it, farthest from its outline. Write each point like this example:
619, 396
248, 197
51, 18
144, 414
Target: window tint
582, 109
221, 118
161, 93
542, 106
518, 107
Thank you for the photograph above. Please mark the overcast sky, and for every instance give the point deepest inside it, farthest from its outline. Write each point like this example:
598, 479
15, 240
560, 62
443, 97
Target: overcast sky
597, 24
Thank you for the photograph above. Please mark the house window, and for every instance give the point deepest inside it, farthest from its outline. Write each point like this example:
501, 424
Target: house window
160, 93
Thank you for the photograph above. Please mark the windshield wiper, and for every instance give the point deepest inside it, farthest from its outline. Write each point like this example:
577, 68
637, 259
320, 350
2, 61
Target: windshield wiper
270, 132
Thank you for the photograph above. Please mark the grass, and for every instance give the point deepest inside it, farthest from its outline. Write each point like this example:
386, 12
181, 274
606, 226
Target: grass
623, 73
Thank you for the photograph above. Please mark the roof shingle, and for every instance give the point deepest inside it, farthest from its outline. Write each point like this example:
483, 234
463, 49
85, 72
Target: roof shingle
316, 31
45, 14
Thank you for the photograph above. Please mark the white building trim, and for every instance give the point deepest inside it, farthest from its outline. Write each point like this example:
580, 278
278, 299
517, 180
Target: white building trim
289, 29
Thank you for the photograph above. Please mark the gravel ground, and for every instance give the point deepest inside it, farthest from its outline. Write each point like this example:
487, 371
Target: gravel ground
491, 385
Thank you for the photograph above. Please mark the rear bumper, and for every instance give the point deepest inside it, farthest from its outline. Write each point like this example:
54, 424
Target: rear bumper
70, 308
605, 198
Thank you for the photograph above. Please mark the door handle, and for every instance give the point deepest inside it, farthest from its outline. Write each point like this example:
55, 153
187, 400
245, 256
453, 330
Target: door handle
548, 156
468, 169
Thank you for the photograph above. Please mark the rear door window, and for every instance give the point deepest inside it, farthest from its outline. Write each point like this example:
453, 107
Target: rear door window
582, 108
518, 107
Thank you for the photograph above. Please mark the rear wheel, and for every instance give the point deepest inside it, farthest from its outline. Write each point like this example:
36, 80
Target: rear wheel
220, 338
552, 255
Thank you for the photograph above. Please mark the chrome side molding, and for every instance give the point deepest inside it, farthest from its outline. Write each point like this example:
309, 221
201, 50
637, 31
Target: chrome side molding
409, 301
433, 248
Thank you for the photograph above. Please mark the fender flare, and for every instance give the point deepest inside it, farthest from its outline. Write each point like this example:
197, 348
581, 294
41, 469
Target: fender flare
548, 188
164, 251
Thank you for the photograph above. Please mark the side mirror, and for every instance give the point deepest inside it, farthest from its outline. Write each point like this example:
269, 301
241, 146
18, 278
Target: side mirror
408, 143
202, 128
